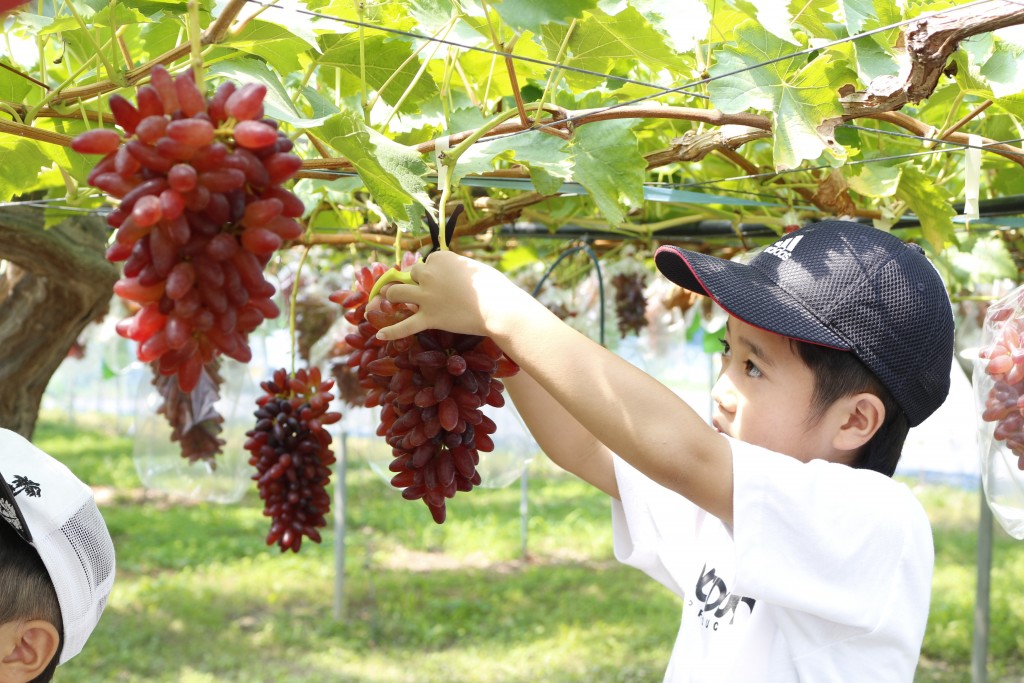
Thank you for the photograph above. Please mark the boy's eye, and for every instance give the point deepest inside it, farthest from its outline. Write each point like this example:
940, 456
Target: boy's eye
725, 347
752, 370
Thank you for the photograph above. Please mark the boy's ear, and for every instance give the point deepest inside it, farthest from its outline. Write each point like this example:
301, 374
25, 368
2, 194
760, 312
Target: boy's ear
34, 645
865, 414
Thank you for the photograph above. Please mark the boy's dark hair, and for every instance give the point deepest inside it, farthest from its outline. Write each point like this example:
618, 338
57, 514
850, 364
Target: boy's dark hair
840, 373
26, 591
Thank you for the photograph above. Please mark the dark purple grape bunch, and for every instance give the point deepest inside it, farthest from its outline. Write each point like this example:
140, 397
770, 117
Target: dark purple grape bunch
290, 449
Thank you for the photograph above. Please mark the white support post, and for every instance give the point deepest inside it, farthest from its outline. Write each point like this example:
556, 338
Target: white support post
340, 469
979, 650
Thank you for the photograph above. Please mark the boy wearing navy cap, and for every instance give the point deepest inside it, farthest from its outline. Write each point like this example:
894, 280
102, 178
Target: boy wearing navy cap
796, 556
56, 562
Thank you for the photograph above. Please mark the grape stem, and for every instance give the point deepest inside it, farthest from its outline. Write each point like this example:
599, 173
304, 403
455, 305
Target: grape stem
294, 301
392, 275
451, 158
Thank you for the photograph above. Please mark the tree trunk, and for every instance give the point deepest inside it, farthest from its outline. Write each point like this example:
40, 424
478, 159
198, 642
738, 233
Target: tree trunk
53, 282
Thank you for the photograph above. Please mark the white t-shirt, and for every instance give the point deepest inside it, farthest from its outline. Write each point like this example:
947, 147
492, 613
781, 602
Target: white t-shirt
824, 576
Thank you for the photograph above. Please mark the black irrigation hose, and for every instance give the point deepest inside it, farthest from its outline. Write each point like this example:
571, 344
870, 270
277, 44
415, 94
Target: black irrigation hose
600, 280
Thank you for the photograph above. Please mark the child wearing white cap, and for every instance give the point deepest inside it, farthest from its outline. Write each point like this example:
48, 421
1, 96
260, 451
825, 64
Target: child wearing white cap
796, 556
56, 562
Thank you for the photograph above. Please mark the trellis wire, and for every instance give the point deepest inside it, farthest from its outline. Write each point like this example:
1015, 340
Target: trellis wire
774, 60
476, 48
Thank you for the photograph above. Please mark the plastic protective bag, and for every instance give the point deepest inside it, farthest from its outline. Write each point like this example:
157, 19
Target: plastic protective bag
999, 394
160, 461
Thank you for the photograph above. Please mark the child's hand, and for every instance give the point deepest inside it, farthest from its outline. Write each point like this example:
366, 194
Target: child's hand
456, 294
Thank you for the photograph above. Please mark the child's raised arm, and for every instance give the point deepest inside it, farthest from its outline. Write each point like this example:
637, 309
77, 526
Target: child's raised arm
624, 408
563, 439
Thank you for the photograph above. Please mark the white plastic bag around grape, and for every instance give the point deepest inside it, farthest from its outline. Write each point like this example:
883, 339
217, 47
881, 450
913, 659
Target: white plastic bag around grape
999, 395
159, 461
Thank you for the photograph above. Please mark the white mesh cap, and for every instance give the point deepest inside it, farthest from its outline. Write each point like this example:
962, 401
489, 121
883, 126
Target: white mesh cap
57, 514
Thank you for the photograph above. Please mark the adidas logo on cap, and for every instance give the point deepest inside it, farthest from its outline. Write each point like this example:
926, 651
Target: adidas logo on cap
783, 249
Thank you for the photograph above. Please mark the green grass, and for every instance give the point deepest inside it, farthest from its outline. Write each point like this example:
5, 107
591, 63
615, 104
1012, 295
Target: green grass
199, 598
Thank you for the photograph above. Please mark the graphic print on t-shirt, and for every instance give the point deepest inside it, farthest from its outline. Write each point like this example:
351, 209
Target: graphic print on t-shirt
715, 604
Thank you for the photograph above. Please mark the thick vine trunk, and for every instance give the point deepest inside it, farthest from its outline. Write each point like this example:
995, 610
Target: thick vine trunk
53, 282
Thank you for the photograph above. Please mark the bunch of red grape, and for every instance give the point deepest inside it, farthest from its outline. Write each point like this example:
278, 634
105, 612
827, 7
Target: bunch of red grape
201, 212
1004, 364
291, 452
630, 302
431, 387
363, 345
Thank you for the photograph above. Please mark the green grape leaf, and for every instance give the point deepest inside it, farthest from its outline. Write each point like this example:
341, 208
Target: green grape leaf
774, 17
116, 16
385, 58
532, 15
681, 23
608, 44
277, 45
393, 173
983, 259
873, 180
13, 88
430, 15
545, 155
606, 160
931, 205
798, 101
1003, 71
816, 18
21, 160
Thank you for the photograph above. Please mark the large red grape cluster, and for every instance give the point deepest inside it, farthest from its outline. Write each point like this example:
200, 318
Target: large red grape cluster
201, 211
431, 387
291, 452
1004, 365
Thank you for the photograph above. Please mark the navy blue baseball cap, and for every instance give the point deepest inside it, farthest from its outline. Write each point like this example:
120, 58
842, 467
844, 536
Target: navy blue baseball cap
843, 285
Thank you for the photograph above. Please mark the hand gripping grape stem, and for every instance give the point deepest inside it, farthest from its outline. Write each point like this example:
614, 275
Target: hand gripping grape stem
441, 242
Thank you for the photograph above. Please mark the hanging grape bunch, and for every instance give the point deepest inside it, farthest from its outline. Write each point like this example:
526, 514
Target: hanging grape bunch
431, 387
1003, 361
630, 301
201, 211
291, 453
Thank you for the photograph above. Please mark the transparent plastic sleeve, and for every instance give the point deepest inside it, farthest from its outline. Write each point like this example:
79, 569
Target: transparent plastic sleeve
999, 395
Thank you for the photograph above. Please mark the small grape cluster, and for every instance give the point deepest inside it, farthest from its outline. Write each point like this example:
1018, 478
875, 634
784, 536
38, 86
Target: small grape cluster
1004, 364
431, 387
201, 211
630, 302
291, 453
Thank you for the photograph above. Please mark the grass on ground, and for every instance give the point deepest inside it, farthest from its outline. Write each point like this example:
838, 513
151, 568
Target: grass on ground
200, 599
